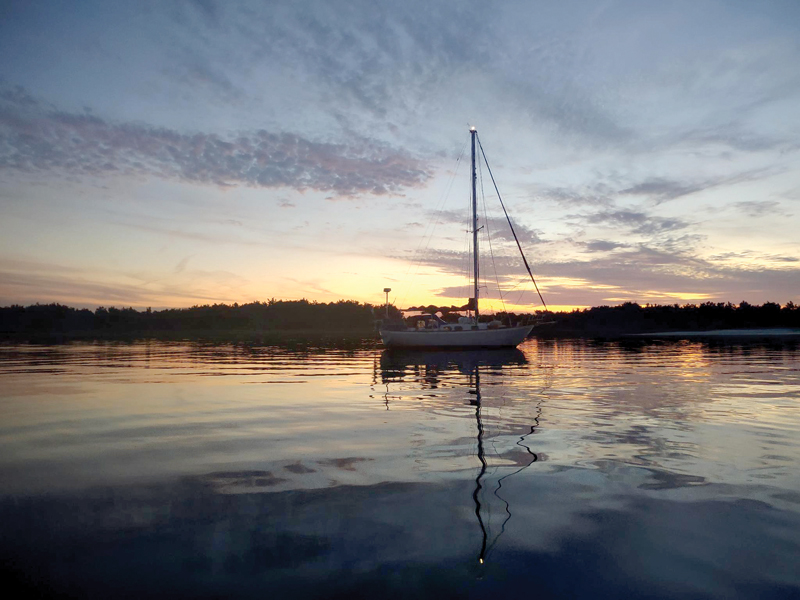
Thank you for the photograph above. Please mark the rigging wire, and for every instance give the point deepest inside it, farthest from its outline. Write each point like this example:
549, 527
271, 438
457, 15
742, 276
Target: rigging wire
516, 239
535, 458
489, 238
426, 235
513, 289
467, 266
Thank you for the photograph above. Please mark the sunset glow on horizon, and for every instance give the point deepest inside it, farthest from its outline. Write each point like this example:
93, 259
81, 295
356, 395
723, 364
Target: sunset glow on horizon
171, 155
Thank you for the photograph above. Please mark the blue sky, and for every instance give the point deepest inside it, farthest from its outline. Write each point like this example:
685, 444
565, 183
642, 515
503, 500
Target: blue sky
170, 154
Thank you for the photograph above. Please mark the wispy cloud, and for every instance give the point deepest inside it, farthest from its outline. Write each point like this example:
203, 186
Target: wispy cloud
597, 195
639, 273
194, 72
635, 221
208, 8
181, 266
29, 281
603, 245
35, 138
496, 227
758, 208
750, 257
662, 190
640, 121
383, 66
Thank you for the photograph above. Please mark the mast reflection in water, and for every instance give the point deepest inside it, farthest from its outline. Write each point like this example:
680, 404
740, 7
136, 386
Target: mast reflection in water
203, 470
428, 365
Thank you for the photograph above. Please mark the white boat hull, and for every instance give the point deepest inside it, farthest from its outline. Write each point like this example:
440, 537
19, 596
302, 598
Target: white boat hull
470, 338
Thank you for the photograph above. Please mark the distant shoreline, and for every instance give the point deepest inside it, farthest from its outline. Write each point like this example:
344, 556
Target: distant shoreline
778, 332
358, 336
278, 336
280, 321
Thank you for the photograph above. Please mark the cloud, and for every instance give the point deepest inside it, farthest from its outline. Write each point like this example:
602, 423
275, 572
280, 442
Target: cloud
734, 136
29, 281
751, 257
599, 115
35, 138
646, 274
640, 273
181, 266
174, 229
577, 73
194, 72
208, 8
383, 65
603, 245
597, 195
662, 190
507, 268
496, 227
310, 287
87, 289
636, 222
758, 208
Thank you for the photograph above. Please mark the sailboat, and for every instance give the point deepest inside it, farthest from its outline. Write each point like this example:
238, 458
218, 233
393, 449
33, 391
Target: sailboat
432, 332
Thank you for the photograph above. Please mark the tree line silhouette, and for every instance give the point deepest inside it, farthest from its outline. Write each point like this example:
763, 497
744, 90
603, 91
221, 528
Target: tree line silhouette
351, 316
631, 317
272, 315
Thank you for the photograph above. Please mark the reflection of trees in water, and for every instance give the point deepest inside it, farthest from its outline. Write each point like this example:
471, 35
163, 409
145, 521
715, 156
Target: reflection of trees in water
427, 370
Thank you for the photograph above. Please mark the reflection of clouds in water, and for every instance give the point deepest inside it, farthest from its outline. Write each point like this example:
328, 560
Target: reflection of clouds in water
630, 460
673, 406
573, 526
668, 406
295, 475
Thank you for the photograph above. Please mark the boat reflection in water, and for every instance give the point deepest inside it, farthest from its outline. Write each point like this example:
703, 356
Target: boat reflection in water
429, 368
199, 470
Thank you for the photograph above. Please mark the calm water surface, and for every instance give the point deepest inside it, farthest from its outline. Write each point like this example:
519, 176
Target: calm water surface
562, 469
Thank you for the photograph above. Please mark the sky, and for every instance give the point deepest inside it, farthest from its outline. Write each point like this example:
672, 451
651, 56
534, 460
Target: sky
171, 154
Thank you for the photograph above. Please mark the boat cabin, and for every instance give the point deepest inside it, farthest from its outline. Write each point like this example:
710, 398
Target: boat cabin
429, 322
425, 321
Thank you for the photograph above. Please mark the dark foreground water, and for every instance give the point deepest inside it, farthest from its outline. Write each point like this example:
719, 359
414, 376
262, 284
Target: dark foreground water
564, 469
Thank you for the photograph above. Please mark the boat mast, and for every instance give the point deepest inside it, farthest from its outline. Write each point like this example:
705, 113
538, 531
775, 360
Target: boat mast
473, 133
